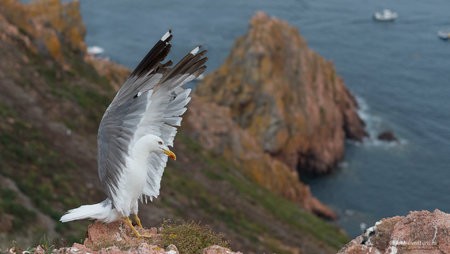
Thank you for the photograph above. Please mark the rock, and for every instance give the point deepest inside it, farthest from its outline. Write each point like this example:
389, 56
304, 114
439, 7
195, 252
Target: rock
101, 235
418, 232
172, 249
50, 24
276, 108
286, 96
221, 135
117, 238
387, 136
215, 249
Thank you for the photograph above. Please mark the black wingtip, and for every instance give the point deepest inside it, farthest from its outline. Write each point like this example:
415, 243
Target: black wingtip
154, 56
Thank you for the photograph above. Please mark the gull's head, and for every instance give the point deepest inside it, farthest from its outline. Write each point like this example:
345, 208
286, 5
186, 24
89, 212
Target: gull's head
161, 147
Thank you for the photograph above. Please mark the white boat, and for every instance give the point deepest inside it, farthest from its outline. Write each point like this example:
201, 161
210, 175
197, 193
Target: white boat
444, 35
95, 50
385, 15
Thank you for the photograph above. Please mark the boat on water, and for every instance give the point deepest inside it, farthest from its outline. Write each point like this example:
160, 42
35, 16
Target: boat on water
385, 15
95, 50
444, 35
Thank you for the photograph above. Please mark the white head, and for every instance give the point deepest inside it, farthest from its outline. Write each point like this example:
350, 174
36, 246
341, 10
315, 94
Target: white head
156, 144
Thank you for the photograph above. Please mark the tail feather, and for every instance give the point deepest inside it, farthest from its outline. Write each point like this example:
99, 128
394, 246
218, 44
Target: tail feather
103, 211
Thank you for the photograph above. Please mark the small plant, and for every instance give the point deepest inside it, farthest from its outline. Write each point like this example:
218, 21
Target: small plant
47, 245
191, 237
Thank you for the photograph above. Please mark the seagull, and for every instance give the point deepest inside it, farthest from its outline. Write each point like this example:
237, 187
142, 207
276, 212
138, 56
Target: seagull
136, 131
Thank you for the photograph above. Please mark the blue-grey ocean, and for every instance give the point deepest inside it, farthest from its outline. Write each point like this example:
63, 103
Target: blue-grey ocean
399, 71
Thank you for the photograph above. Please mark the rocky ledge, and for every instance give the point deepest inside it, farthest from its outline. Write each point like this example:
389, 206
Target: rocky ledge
115, 238
418, 232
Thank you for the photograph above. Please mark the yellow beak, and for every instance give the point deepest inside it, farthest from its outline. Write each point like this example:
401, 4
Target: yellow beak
170, 154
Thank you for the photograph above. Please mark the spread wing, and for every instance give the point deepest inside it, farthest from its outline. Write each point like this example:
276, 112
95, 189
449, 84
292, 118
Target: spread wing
139, 109
168, 104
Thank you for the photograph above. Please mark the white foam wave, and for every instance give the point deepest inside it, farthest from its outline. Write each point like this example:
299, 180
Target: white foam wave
374, 126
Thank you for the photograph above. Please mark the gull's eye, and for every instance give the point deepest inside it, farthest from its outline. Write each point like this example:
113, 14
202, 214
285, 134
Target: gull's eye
160, 142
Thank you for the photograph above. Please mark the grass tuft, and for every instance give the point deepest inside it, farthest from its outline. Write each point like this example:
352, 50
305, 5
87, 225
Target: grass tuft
191, 237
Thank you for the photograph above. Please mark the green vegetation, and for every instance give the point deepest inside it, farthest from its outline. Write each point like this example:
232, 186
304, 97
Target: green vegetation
82, 86
40, 171
46, 247
218, 190
190, 238
10, 205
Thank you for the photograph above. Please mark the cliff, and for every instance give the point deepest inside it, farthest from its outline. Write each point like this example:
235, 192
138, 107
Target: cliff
418, 232
51, 101
286, 97
277, 109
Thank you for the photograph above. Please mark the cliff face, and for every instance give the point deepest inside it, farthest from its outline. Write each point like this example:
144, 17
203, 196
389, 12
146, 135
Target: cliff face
418, 232
50, 106
213, 127
50, 100
51, 26
285, 96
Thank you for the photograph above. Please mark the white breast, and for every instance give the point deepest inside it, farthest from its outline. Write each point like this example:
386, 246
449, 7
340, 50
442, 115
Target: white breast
133, 179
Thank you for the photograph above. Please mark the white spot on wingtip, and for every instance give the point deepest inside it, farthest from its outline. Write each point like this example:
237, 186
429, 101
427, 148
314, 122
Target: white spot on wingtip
165, 36
195, 51
200, 77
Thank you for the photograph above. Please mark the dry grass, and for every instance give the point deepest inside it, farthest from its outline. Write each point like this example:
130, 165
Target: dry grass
191, 237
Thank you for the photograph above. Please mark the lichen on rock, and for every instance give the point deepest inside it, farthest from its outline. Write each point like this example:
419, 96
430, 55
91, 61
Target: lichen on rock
418, 232
50, 24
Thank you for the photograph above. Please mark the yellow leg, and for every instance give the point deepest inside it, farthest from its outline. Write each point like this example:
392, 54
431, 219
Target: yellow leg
137, 220
130, 224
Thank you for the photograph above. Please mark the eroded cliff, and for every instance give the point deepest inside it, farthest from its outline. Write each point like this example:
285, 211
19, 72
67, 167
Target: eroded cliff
276, 108
286, 97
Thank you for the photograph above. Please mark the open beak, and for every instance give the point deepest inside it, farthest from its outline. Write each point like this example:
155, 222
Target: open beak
170, 154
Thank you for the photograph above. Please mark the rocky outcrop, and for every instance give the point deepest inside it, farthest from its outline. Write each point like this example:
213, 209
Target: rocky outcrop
213, 127
286, 96
116, 238
276, 108
50, 26
387, 136
418, 232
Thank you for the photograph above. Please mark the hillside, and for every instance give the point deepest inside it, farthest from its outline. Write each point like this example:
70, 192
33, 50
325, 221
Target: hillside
52, 98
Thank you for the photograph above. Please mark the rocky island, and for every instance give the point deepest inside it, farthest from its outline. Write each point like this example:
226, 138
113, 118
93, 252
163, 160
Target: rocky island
278, 109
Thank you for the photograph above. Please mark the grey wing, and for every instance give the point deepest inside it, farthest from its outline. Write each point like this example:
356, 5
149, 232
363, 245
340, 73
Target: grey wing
168, 104
122, 117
